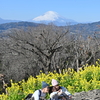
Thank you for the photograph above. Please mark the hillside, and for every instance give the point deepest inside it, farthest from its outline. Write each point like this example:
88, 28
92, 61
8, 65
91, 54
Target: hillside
87, 29
83, 29
11, 25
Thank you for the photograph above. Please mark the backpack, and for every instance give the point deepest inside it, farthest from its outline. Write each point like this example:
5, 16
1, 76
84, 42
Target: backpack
63, 95
29, 96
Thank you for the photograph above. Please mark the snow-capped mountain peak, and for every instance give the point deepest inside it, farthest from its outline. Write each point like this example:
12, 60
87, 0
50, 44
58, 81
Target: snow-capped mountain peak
53, 17
48, 16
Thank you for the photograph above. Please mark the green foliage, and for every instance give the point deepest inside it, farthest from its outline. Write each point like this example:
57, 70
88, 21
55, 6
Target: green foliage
84, 80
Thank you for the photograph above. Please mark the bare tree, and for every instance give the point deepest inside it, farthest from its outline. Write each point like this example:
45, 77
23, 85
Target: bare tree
35, 49
27, 51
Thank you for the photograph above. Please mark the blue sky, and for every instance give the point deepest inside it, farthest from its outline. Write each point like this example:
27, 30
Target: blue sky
78, 10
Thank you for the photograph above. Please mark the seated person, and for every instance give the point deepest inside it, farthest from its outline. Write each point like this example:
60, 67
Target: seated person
58, 92
39, 94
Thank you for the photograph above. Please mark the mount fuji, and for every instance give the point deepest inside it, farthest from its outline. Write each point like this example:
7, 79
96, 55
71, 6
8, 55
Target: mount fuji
55, 18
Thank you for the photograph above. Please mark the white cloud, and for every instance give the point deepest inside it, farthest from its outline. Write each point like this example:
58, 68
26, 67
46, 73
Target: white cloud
50, 16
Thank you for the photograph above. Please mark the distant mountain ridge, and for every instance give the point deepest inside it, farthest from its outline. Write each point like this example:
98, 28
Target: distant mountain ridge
85, 29
88, 28
18, 25
2, 21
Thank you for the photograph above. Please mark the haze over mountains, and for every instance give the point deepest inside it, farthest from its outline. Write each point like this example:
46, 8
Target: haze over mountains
55, 18
2, 21
48, 17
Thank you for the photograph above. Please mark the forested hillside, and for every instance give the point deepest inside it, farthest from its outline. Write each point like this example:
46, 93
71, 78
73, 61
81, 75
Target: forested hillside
83, 29
18, 25
86, 29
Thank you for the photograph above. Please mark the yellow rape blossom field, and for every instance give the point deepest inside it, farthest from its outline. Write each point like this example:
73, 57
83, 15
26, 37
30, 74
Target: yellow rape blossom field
84, 80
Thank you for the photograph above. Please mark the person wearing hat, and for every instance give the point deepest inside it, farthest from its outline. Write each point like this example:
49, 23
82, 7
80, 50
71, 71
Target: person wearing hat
42, 92
59, 92
39, 94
